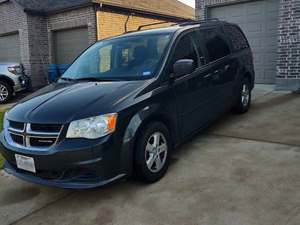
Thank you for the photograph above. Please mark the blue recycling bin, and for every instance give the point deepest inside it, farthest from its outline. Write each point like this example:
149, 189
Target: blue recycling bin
53, 73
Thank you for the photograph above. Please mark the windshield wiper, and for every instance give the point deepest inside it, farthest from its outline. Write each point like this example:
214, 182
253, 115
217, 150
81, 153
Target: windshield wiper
67, 79
95, 79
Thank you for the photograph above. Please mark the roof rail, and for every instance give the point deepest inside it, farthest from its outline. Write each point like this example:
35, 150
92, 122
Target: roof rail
199, 22
153, 24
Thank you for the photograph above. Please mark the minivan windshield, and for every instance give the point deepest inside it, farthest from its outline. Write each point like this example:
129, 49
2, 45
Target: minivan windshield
127, 58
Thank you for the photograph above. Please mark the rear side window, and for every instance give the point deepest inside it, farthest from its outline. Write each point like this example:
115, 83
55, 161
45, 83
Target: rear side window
216, 45
235, 35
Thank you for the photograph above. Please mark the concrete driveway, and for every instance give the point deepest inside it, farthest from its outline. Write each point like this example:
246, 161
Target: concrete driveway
245, 170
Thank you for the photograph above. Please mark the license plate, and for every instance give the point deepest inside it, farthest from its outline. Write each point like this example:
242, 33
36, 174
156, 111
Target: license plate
25, 163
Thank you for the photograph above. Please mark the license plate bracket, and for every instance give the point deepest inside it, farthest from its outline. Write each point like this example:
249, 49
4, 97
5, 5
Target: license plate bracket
25, 163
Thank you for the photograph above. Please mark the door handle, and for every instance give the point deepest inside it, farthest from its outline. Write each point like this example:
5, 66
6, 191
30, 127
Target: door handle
207, 76
216, 75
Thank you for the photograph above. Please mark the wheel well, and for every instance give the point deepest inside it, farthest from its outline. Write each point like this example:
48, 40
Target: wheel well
157, 118
7, 80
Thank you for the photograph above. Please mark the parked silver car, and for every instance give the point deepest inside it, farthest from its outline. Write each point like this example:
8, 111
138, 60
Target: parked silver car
12, 80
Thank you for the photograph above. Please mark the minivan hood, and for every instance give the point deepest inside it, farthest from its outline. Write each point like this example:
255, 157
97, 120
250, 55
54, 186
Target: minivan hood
63, 102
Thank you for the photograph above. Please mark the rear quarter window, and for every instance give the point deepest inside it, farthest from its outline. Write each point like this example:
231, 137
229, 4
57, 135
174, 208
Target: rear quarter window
237, 38
215, 43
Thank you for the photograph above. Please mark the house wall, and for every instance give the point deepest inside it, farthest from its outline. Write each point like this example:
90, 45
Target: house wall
35, 34
39, 49
288, 63
106, 18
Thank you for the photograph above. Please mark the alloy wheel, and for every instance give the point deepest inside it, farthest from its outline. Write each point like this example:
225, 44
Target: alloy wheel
245, 97
3, 93
156, 152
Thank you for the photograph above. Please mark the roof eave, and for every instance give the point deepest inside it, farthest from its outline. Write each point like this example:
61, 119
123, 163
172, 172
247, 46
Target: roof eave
51, 12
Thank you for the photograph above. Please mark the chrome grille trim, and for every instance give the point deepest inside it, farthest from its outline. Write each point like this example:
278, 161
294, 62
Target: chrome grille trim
27, 133
30, 132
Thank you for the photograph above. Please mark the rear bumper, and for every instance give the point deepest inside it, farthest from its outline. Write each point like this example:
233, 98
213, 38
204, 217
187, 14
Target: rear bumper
74, 164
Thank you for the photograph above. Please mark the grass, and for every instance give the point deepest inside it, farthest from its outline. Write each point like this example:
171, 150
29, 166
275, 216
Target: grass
1, 126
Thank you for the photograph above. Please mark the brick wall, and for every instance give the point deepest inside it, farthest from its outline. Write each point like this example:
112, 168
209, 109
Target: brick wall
288, 65
38, 49
105, 19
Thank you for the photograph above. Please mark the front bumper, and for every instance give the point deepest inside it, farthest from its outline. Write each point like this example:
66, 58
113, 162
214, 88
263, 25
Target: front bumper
72, 183
75, 164
22, 82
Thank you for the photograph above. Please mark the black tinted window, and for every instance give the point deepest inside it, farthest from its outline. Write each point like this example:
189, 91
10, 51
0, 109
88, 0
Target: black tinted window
237, 38
216, 44
198, 42
185, 49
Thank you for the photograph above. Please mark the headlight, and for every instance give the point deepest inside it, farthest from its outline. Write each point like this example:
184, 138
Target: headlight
93, 127
15, 70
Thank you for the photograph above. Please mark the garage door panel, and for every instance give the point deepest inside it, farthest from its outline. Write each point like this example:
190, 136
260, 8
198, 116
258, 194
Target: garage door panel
68, 44
259, 21
10, 48
254, 9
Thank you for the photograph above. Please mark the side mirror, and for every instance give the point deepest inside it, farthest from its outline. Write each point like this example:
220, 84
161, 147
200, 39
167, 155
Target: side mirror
183, 67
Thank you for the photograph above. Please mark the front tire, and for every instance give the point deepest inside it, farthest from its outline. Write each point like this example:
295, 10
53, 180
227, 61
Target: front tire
6, 92
152, 153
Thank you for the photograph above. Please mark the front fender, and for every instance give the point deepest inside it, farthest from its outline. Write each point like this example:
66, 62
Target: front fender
148, 113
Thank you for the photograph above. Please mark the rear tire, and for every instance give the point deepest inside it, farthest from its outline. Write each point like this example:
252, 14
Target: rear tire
244, 99
152, 153
6, 92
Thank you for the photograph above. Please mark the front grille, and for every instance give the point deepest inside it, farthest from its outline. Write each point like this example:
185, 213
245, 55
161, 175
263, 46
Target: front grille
17, 138
38, 136
45, 128
44, 142
16, 125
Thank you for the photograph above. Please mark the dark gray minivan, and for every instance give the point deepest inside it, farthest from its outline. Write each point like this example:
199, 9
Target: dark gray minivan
126, 103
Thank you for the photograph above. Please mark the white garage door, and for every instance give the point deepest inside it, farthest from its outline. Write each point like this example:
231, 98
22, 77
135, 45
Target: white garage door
259, 21
68, 44
10, 48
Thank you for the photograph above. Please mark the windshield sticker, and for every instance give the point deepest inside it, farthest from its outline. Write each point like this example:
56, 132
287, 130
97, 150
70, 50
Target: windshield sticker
147, 73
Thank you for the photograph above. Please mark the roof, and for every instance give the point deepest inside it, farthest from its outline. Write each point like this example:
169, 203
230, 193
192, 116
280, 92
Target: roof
163, 7
45, 6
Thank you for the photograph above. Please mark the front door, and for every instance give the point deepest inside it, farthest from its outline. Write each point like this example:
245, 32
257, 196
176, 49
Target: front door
191, 90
